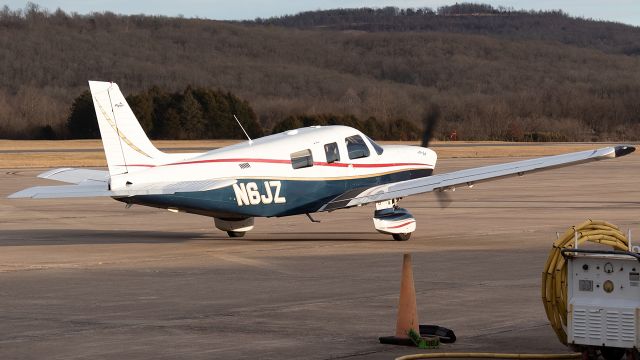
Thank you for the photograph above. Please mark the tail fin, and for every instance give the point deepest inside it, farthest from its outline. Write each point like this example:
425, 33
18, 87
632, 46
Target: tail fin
126, 146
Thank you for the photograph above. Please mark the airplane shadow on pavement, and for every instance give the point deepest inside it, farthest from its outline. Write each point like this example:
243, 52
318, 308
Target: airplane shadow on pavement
76, 237
86, 237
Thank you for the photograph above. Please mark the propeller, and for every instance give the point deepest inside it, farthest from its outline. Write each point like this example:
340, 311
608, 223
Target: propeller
430, 121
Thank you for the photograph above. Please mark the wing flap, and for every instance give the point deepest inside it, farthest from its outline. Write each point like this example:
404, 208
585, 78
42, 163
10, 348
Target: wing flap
173, 187
469, 177
62, 191
88, 188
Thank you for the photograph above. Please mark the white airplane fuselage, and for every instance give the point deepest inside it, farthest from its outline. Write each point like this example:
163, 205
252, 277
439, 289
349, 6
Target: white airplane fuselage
290, 173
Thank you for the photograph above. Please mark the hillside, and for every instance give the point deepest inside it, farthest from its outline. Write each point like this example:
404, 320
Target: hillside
478, 19
487, 85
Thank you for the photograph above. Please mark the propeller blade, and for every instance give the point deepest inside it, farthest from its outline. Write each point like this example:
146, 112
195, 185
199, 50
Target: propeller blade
444, 199
430, 121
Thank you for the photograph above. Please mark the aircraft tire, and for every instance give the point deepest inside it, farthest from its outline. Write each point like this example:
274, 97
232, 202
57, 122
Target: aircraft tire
234, 234
402, 237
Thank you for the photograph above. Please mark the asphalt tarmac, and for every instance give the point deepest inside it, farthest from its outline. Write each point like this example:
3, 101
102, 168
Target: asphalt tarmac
88, 279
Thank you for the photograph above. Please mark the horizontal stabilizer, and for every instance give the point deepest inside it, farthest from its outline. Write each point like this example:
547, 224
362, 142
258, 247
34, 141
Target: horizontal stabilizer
76, 176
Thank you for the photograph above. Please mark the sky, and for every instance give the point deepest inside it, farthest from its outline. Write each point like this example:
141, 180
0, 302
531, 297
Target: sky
624, 11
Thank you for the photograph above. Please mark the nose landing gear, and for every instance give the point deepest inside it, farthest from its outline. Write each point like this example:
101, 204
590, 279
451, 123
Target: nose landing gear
392, 220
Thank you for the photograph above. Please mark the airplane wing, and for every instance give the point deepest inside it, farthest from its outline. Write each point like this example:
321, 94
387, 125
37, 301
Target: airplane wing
469, 177
89, 188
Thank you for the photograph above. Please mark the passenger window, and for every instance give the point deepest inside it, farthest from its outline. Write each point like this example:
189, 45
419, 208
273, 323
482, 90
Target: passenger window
356, 147
332, 152
301, 159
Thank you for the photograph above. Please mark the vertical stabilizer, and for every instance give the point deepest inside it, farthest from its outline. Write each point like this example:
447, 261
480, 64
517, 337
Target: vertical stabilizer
126, 146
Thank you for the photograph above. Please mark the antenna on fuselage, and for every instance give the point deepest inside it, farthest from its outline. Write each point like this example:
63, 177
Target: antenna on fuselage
243, 130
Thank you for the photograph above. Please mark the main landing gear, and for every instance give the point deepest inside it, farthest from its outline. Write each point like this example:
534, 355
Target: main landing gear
234, 227
393, 220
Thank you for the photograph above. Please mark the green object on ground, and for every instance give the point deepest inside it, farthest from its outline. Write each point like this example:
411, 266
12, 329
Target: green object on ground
430, 342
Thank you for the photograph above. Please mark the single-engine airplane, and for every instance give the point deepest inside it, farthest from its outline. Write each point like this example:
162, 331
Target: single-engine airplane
302, 171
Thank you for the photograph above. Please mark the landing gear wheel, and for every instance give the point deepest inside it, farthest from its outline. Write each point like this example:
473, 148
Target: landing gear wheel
236, 233
403, 237
610, 353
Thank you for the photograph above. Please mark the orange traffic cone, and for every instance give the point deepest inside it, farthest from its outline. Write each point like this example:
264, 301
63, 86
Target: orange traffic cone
407, 308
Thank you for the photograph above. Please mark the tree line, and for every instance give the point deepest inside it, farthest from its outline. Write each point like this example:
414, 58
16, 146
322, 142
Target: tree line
200, 113
495, 74
194, 113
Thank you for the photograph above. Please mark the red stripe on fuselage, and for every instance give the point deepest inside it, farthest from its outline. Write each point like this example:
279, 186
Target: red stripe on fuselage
277, 161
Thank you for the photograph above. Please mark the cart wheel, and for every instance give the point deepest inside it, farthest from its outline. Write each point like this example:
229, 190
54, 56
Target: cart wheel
611, 353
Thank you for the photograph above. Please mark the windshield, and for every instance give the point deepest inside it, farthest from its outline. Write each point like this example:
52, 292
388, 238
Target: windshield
356, 147
377, 147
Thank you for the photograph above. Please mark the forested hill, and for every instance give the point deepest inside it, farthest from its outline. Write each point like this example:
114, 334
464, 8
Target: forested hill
479, 19
486, 85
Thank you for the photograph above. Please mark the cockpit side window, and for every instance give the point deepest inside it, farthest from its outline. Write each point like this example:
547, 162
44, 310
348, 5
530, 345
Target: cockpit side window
332, 152
356, 147
301, 159
379, 150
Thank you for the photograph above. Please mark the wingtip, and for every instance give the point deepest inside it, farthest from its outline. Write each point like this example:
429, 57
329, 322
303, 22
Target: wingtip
622, 150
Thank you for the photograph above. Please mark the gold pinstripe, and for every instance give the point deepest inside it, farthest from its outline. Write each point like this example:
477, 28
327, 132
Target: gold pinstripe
120, 134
